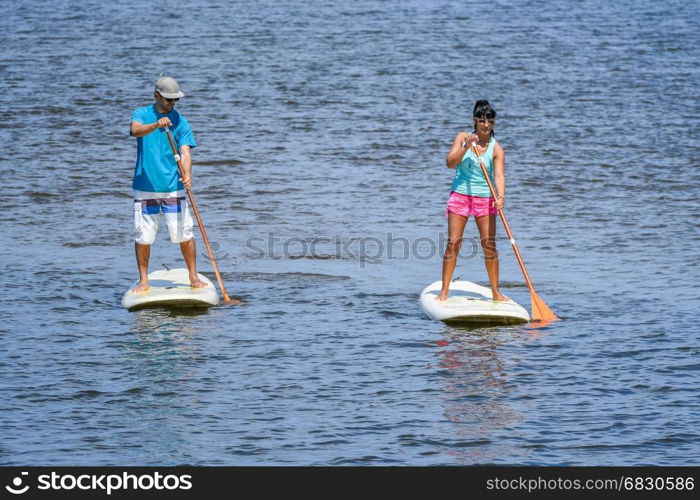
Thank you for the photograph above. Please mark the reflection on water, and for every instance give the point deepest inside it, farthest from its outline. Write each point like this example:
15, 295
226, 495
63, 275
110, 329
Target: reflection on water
538, 329
161, 354
164, 332
476, 391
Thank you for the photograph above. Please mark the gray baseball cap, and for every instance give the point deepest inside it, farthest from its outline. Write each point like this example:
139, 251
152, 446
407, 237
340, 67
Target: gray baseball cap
169, 88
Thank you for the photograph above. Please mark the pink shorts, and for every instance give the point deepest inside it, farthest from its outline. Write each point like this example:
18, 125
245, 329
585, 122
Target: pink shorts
466, 205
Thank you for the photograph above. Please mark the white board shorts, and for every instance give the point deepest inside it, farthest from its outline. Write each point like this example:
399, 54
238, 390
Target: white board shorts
174, 206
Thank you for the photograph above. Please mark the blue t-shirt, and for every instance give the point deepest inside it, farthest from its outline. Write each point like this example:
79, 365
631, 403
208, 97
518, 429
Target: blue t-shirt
156, 169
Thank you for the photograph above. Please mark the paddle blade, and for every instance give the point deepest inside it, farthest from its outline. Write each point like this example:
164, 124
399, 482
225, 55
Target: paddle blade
540, 310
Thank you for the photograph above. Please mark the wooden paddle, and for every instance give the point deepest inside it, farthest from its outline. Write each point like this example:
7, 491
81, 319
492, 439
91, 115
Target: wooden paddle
190, 196
540, 310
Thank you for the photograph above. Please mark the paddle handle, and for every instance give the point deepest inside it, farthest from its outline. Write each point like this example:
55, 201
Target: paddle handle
190, 196
519, 257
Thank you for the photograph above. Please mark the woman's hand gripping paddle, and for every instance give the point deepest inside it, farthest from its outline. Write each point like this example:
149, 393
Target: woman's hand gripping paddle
540, 310
227, 300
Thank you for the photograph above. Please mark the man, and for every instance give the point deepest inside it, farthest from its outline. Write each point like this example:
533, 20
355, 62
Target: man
157, 184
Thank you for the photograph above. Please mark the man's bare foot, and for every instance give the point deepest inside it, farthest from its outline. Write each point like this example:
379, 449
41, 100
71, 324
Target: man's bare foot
141, 287
197, 283
442, 296
498, 296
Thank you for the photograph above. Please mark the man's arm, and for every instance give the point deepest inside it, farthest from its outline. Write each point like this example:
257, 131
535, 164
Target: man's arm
186, 162
138, 129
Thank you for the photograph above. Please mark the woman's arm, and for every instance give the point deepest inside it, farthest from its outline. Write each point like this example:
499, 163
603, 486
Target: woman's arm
461, 144
499, 175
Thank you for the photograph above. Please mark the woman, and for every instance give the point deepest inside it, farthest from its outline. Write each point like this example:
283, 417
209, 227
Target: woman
470, 195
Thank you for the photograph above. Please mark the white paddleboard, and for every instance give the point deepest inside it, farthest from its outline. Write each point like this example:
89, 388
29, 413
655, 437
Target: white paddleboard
171, 288
468, 302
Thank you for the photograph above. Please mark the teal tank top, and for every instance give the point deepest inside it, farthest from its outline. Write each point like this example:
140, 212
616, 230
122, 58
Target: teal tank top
469, 178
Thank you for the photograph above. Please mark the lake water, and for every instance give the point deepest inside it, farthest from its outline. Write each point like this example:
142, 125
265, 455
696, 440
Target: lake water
322, 130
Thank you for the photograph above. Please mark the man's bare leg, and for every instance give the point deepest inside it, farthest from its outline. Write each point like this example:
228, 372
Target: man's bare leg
143, 252
189, 252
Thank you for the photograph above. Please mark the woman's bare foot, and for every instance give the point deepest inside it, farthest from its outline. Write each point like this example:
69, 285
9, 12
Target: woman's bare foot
197, 283
498, 296
141, 287
442, 296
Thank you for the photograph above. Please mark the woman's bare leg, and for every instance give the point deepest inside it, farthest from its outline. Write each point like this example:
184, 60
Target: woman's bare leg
487, 231
455, 231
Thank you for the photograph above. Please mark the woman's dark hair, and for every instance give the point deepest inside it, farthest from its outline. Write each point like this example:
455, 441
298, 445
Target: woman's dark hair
482, 109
